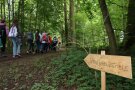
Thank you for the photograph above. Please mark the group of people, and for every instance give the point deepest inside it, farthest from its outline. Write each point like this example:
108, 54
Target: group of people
36, 42
42, 42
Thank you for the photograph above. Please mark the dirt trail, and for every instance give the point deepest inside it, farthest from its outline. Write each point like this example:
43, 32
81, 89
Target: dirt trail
22, 73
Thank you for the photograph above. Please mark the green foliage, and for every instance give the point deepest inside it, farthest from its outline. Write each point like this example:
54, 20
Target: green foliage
40, 63
42, 86
86, 31
90, 31
90, 28
70, 71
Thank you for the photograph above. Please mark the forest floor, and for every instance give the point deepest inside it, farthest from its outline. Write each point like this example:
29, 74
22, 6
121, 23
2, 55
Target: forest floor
22, 73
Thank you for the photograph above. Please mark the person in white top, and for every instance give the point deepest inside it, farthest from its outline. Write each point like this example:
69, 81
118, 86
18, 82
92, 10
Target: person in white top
13, 35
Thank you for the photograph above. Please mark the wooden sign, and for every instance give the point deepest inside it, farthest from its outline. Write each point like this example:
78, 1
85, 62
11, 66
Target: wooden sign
118, 65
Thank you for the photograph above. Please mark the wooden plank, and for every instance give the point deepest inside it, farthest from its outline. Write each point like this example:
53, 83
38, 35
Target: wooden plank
103, 76
118, 65
103, 80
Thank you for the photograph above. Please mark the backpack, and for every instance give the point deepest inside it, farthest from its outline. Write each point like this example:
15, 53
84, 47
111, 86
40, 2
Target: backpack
55, 40
2, 31
50, 39
37, 37
30, 36
44, 38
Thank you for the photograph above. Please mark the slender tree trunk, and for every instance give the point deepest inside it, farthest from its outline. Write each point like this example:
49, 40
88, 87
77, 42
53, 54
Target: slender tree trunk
44, 22
39, 24
22, 15
129, 39
108, 26
30, 22
36, 16
9, 13
63, 34
13, 8
4, 9
66, 23
1, 8
19, 5
72, 21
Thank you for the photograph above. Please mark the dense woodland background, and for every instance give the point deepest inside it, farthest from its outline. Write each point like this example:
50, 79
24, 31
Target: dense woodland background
88, 25
101, 24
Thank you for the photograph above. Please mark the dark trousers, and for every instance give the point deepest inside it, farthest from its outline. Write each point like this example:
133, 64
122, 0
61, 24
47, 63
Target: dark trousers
54, 46
38, 46
31, 45
3, 49
44, 47
49, 46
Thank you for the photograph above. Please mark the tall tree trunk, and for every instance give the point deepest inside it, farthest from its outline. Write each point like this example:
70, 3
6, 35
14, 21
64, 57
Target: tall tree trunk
22, 15
129, 39
63, 34
9, 13
39, 24
1, 9
36, 16
4, 9
45, 22
19, 5
66, 23
108, 26
30, 22
72, 21
13, 8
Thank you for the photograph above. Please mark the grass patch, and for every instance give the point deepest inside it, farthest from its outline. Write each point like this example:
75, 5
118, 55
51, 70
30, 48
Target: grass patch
69, 72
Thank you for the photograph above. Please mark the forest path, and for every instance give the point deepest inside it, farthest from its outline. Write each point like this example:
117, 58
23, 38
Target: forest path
22, 73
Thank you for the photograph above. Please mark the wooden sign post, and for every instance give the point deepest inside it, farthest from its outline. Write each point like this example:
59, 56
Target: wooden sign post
118, 65
103, 76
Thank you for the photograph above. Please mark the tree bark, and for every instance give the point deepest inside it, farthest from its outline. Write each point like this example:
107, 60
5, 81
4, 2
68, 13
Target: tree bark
9, 13
72, 21
44, 22
108, 26
13, 9
4, 9
36, 16
1, 8
39, 24
129, 39
23, 25
30, 22
20, 16
19, 5
66, 23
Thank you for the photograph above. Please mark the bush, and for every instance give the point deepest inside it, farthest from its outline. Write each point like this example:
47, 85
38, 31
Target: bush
70, 71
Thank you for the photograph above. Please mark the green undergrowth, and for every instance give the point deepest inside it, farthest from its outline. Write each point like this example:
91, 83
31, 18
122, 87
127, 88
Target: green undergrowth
70, 72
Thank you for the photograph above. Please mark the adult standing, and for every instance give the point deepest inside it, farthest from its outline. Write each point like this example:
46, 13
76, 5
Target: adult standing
37, 41
49, 41
54, 44
30, 39
16, 40
44, 42
59, 42
3, 37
